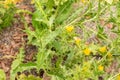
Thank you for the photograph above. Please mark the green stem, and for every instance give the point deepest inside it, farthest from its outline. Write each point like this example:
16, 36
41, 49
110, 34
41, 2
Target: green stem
56, 12
41, 9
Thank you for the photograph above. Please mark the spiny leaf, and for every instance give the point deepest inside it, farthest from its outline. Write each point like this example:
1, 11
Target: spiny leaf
41, 57
16, 64
63, 12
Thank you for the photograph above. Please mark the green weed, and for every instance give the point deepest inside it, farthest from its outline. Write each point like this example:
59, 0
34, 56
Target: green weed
72, 43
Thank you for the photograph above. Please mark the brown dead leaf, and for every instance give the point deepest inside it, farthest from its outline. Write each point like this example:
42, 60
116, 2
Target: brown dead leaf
46, 77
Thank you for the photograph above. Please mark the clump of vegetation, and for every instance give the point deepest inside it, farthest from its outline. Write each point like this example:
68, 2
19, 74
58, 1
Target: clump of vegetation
7, 11
72, 42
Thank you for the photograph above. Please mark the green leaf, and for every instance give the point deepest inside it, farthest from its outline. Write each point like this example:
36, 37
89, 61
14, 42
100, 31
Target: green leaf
63, 12
25, 66
29, 77
50, 36
42, 55
16, 63
50, 4
2, 75
38, 20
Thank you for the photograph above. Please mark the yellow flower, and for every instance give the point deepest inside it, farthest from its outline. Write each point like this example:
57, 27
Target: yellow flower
69, 28
118, 77
100, 68
109, 55
11, 1
87, 51
103, 49
6, 2
83, 1
85, 69
77, 40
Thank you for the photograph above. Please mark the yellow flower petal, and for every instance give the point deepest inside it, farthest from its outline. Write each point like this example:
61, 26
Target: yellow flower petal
69, 28
87, 51
84, 69
118, 77
12, 1
100, 68
83, 1
103, 49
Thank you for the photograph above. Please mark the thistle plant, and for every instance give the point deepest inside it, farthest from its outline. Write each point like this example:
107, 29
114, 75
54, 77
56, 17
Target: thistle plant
62, 35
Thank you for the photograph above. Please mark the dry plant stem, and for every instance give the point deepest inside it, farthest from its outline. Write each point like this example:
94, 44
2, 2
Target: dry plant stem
112, 78
77, 19
8, 57
99, 35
